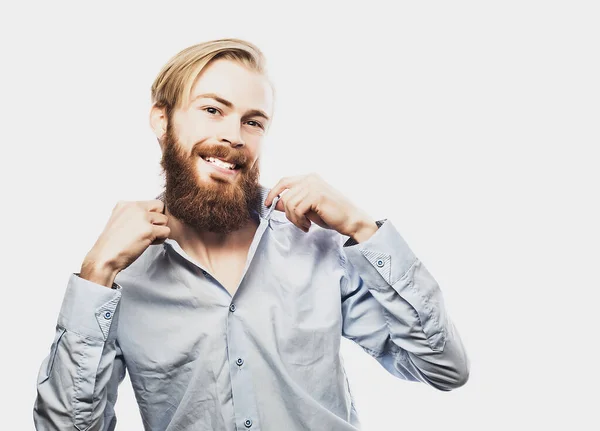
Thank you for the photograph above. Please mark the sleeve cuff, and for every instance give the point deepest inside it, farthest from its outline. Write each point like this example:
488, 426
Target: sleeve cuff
383, 259
88, 308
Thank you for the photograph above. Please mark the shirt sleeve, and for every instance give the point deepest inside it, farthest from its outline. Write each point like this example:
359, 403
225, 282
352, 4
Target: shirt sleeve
77, 382
393, 308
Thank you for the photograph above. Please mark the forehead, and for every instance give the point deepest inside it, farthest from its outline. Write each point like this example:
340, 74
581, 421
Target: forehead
234, 82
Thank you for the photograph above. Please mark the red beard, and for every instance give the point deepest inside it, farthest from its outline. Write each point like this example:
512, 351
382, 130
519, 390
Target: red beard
213, 205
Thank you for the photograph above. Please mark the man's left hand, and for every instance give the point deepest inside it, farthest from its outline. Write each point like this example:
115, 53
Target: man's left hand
308, 198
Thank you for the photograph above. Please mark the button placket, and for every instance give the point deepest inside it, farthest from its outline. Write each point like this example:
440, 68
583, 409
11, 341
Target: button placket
242, 388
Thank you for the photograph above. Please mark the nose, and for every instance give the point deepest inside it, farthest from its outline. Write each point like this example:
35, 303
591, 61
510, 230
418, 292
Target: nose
231, 133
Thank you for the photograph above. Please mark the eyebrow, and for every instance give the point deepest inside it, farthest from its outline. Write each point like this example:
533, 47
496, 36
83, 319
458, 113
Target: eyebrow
250, 113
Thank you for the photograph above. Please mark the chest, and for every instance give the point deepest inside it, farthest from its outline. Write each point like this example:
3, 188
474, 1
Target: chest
230, 275
227, 269
173, 321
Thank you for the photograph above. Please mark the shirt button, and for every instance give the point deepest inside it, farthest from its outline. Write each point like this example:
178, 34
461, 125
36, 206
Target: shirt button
239, 361
248, 423
379, 263
232, 308
107, 315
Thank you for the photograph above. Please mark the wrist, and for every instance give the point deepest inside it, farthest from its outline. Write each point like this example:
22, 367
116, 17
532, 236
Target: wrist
99, 272
363, 229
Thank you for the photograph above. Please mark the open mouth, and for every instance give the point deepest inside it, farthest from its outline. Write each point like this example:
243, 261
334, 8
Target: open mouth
221, 164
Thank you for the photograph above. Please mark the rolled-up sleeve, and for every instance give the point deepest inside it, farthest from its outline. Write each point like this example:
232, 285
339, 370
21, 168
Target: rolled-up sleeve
77, 381
394, 309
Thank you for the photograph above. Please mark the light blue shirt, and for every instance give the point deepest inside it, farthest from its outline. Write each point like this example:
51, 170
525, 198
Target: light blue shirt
267, 358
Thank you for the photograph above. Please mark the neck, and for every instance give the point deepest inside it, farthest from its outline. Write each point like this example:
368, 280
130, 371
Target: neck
202, 243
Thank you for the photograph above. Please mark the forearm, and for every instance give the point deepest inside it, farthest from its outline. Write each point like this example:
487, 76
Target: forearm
418, 323
73, 379
412, 308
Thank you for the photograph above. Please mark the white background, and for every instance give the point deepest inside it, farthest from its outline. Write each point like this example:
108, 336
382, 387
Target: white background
472, 125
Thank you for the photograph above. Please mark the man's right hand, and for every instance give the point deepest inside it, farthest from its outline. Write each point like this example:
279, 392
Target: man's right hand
131, 229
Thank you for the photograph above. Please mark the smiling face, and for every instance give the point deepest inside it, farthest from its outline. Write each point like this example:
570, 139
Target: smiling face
212, 145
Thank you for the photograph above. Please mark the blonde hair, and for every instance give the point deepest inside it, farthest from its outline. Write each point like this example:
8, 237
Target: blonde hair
172, 87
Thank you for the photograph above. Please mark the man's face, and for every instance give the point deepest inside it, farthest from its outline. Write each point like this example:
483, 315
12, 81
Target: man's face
223, 120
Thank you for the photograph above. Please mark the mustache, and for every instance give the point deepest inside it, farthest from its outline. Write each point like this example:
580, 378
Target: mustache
222, 152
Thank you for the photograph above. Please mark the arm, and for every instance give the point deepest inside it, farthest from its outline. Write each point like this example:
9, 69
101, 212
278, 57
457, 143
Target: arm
77, 382
393, 308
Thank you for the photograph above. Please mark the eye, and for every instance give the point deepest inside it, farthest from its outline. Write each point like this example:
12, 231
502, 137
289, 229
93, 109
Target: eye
255, 124
211, 110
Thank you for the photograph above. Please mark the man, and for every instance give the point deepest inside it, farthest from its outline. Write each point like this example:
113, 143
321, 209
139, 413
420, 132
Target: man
226, 301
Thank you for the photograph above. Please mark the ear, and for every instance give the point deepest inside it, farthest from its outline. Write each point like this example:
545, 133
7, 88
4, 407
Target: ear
158, 123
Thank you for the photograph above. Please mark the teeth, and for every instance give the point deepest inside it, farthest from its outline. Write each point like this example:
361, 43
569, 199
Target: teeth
220, 163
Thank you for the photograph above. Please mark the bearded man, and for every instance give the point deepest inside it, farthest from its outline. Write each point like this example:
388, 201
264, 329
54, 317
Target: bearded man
225, 300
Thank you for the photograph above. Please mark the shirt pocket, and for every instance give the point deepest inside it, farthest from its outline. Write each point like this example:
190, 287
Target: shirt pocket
48, 364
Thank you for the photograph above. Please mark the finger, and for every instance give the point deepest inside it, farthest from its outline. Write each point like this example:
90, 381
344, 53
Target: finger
291, 217
309, 206
316, 218
161, 233
300, 203
282, 184
292, 201
304, 210
157, 218
280, 206
153, 205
